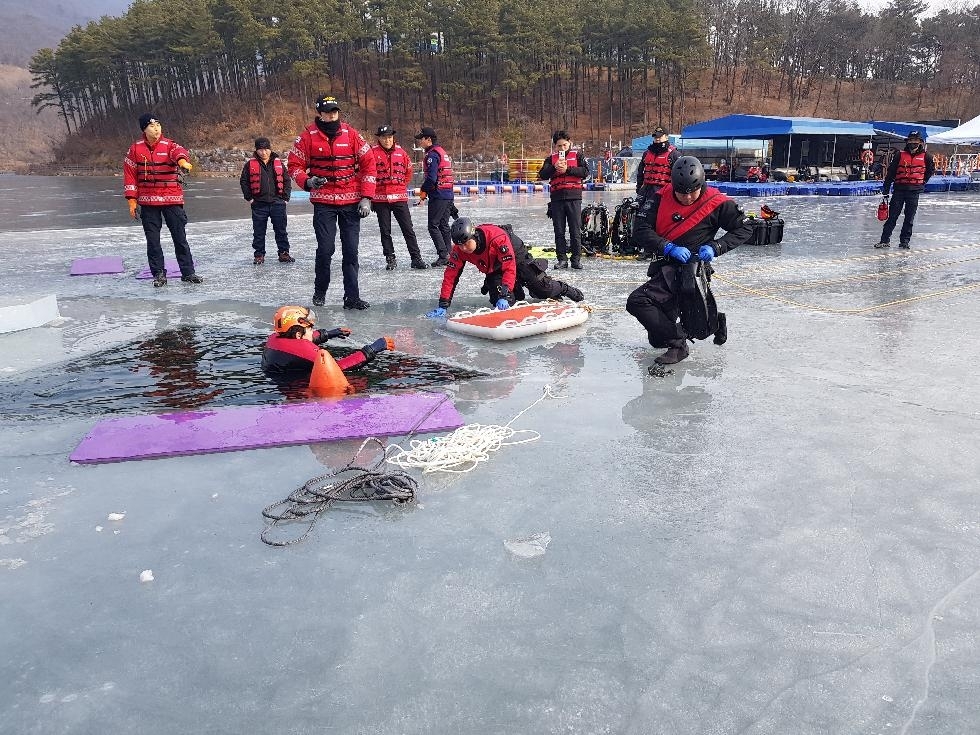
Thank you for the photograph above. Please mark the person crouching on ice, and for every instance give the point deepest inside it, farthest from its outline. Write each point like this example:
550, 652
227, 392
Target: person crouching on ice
679, 224
505, 260
294, 347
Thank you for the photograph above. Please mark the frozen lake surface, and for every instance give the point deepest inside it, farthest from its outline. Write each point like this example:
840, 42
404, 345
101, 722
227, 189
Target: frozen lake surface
781, 536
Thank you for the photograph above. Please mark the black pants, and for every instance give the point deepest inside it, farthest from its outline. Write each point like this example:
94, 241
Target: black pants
655, 306
567, 213
910, 201
262, 212
532, 278
326, 218
176, 219
403, 216
439, 226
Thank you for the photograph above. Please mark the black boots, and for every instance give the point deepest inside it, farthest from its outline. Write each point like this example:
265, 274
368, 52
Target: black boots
419, 264
571, 292
677, 352
390, 264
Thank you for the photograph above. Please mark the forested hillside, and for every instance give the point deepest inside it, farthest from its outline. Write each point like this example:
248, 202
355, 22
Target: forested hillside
509, 69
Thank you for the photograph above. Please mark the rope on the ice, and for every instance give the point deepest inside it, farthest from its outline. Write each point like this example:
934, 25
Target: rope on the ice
351, 483
466, 447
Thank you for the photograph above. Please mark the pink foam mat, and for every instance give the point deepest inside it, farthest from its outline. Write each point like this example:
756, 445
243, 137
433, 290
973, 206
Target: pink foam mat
96, 266
173, 270
251, 427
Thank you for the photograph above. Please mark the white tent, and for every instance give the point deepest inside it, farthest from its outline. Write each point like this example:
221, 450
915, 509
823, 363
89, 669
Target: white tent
966, 134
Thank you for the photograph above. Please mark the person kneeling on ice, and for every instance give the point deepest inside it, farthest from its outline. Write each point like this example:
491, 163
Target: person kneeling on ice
295, 345
504, 258
679, 224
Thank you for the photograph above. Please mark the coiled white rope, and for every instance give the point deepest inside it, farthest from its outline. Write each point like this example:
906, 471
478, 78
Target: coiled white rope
464, 449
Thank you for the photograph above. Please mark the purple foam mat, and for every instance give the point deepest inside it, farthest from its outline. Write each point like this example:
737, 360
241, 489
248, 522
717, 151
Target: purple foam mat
251, 427
96, 266
173, 270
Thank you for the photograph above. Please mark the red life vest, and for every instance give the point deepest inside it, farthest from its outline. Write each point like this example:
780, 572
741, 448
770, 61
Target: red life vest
911, 169
394, 172
445, 171
150, 173
656, 167
675, 219
255, 176
345, 162
561, 182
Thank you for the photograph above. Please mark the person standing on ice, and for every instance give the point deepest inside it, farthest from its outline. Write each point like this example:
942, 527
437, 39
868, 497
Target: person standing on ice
910, 170
566, 170
153, 176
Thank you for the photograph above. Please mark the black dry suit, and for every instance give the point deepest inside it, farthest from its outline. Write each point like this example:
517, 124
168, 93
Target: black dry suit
681, 290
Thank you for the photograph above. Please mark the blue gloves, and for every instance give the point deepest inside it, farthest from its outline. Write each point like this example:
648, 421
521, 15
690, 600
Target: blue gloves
677, 252
364, 207
437, 313
706, 253
502, 304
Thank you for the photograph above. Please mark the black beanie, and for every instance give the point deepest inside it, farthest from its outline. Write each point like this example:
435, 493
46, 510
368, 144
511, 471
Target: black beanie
262, 143
146, 118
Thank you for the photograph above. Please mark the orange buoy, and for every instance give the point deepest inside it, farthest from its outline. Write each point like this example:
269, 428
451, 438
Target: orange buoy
327, 379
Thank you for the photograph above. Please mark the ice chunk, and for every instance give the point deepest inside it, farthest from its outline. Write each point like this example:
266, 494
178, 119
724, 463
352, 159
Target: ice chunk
116, 516
146, 575
528, 547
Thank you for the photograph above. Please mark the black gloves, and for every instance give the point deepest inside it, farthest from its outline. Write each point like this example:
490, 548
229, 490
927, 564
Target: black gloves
315, 182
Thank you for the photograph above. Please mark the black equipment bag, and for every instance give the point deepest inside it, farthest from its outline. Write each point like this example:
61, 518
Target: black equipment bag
767, 231
699, 312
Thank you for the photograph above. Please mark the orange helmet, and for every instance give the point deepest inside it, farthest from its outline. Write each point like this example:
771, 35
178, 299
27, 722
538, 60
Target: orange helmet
290, 316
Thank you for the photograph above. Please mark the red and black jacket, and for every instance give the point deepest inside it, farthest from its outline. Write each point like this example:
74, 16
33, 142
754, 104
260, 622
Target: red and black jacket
267, 182
653, 172
909, 171
662, 219
493, 253
568, 185
287, 355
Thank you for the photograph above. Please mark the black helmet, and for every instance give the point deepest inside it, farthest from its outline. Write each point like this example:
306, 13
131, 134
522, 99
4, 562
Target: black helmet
687, 175
462, 230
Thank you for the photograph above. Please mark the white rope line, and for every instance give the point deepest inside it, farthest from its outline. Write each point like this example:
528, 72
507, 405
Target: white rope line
464, 449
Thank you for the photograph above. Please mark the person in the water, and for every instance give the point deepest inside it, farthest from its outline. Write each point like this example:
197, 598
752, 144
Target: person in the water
294, 346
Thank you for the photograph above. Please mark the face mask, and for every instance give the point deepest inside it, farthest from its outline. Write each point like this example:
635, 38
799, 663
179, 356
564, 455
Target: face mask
328, 128
661, 147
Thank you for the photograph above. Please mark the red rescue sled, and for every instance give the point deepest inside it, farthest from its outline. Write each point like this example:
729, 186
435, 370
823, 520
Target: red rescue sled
521, 320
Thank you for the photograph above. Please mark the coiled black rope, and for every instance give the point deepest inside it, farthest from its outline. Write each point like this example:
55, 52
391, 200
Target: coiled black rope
349, 484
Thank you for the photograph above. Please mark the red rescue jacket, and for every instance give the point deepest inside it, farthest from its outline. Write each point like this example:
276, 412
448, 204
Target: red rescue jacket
497, 255
346, 162
393, 173
150, 173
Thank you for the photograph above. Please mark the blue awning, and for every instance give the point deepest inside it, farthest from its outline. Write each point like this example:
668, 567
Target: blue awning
640, 144
764, 126
902, 129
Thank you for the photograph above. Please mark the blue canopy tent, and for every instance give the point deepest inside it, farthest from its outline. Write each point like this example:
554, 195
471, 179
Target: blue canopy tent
767, 126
